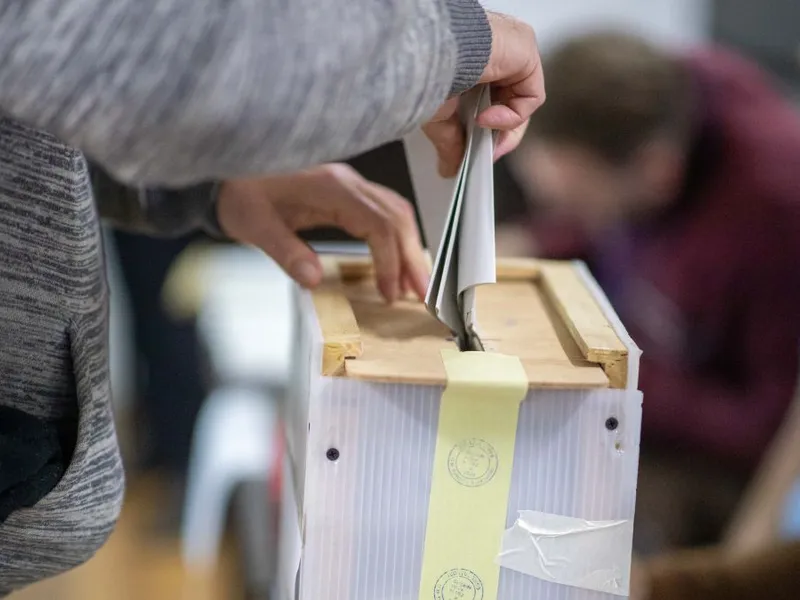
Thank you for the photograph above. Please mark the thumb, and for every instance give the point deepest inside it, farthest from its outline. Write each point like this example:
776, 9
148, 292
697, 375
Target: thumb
293, 255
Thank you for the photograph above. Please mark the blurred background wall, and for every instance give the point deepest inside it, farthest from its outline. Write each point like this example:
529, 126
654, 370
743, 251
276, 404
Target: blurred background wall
670, 21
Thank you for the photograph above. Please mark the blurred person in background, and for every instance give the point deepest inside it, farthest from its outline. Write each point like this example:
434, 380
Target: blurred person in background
675, 176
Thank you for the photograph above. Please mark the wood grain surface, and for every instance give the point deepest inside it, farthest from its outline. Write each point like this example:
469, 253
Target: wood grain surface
540, 311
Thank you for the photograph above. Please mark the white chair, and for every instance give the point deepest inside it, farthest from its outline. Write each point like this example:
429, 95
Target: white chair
245, 320
243, 302
234, 445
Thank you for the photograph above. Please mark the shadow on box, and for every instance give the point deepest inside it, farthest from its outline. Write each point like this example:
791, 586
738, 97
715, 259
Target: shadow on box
387, 166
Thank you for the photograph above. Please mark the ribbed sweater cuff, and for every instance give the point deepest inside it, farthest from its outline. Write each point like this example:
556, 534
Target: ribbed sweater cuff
472, 31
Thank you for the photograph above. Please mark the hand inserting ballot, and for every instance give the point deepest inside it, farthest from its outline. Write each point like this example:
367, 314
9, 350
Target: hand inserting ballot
268, 212
515, 74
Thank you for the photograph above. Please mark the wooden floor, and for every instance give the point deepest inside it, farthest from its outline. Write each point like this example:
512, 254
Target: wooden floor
137, 565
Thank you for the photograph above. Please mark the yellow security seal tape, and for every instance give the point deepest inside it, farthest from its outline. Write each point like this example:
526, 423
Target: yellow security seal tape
471, 475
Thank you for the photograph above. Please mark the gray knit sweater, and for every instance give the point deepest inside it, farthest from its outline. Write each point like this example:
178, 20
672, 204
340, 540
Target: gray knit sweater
172, 93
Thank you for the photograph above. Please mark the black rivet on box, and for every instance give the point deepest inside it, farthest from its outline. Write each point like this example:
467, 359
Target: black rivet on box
332, 454
612, 423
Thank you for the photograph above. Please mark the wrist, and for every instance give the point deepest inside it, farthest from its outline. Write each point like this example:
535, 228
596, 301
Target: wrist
509, 35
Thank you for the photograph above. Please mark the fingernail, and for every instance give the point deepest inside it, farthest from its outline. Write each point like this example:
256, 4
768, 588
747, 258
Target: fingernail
305, 273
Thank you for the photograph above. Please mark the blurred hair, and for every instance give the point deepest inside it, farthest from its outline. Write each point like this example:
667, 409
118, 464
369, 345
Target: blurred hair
611, 93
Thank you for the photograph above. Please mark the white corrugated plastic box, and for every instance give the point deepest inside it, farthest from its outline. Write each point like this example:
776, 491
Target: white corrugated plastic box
362, 426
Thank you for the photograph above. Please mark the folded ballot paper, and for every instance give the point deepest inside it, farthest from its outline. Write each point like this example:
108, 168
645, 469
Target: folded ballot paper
458, 221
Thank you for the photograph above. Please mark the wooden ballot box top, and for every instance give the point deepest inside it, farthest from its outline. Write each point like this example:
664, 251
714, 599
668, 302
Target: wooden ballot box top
544, 312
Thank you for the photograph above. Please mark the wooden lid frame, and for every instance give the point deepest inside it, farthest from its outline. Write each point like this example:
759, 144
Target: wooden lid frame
541, 311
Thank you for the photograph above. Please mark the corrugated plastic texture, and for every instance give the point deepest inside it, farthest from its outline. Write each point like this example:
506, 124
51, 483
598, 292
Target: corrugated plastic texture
366, 511
289, 540
303, 387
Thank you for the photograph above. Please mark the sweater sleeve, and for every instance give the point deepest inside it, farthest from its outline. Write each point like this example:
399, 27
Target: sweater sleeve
558, 238
173, 92
737, 422
158, 212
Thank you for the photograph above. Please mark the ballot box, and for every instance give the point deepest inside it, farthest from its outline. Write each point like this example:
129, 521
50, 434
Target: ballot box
414, 470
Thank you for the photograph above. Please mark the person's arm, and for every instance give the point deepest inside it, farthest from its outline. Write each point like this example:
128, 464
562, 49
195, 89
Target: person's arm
174, 92
159, 212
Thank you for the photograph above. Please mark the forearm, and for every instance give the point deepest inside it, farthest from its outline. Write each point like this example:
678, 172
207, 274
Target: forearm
173, 92
157, 212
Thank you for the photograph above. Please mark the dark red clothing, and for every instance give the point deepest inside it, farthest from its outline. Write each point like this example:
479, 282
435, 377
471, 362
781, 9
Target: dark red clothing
711, 290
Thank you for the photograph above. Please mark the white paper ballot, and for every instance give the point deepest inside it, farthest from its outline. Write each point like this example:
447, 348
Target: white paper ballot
458, 221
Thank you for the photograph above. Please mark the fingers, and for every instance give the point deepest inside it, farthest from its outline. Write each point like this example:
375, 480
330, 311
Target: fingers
284, 246
386, 221
415, 271
387, 261
267, 212
509, 140
247, 213
355, 211
515, 74
448, 137
517, 80
506, 117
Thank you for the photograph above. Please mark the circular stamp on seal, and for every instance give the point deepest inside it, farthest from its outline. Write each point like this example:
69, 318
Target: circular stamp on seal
472, 462
458, 584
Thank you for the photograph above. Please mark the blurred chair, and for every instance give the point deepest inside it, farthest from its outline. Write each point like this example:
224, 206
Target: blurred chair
234, 447
242, 301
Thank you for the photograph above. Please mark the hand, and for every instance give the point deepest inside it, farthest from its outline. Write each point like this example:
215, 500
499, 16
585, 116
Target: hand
267, 213
515, 74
